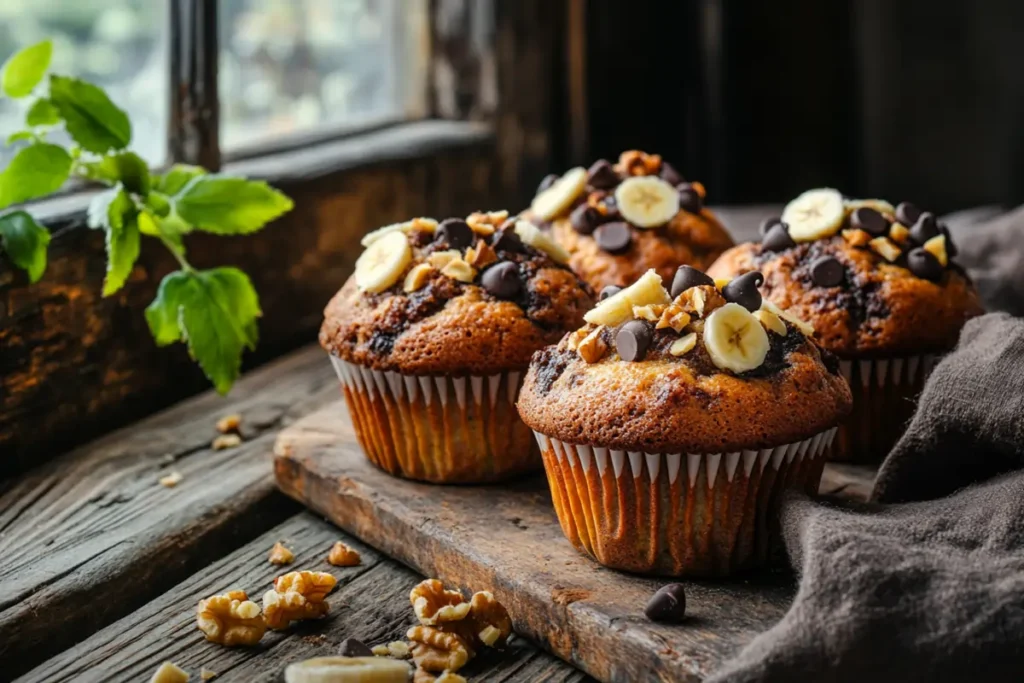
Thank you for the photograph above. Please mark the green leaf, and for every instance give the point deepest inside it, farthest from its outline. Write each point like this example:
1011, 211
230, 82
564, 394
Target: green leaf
26, 68
153, 225
214, 312
126, 168
177, 177
42, 113
34, 171
92, 120
123, 241
20, 136
227, 205
25, 242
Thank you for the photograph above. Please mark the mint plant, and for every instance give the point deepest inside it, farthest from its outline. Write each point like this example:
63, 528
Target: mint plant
214, 312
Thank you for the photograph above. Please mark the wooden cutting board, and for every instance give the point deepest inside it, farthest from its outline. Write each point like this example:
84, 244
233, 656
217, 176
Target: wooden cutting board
506, 539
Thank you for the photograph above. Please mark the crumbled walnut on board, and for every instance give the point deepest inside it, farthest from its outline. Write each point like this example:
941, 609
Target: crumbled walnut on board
206, 675
297, 596
169, 673
171, 479
229, 424
230, 619
226, 441
432, 603
281, 555
436, 650
343, 556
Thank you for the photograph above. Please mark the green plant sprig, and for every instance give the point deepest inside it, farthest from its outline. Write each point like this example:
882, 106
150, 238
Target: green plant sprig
214, 312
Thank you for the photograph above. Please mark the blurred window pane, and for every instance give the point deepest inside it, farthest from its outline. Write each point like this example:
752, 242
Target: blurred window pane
121, 45
289, 66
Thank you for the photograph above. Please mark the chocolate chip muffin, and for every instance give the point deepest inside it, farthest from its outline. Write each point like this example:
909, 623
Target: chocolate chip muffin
431, 335
671, 423
880, 287
617, 221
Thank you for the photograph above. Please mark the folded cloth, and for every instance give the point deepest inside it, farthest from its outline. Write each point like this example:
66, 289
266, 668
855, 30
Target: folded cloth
926, 583
992, 251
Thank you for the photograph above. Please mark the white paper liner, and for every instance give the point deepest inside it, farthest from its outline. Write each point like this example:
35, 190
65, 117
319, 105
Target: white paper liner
896, 371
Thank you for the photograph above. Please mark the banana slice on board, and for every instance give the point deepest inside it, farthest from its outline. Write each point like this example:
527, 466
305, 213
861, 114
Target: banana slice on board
557, 199
383, 262
814, 215
647, 201
735, 339
618, 308
348, 670
538, 239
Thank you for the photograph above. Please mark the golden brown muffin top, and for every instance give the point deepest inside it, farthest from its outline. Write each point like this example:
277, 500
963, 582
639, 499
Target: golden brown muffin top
873, 279
618, 221
706, 368
475, 296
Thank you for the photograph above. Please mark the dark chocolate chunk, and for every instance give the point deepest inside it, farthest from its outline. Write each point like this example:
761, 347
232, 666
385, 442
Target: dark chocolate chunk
870, 221
502, 280
742, 290
670, 175
601, 175
689, 199
667, 605
907, 213
777, 238
925, 228
350, 647
584, 219
455, 232
548, 181
827, 271
615, 237
633, 339
506, 239
951, 249
924, 265
610, 290
768, 223
686, 277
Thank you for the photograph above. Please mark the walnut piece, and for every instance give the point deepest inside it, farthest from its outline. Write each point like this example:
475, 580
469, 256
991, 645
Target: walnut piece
399, 649
440, 259
281, 555
343, 556
417, 277
457, 269
169, 672
225, 441
592, 347
433, 604
650, 312
489, 620
171, 479
485, 223
885, 248
230, 619
673, 316
380, 651
297, 596
856, 237
898, 233
635, 162
481, 256
436, 650
700, 301
229, 423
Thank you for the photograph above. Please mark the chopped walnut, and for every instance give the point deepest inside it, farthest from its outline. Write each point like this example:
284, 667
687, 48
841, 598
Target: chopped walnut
485, 223
436, 650
422, 225
457, 269
698, 187
650, 312
856, 237
225, 441
206, 675
171, 479
575, 337
440, 259
230, 619
683, 345
592, 347
297, 596
281, 555
490, 621
343, 556
700, 301
673, 316
399, 649
169, 672
885, 248
450, 677
635, 162
229, 423
433, 604
481, 256
899, 233
417, 277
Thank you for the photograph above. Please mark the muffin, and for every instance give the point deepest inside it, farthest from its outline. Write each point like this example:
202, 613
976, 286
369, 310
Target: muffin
431, 335
618, 221
670, 424
879, 285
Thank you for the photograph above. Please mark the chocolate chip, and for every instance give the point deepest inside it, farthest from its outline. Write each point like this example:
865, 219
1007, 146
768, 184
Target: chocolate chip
769, 223
548, 181
686, 277
601, 175
670, 175
907, 213
667, 605
632, 340
870, 221
614, 238
924, 265
502, 280
951, 249
925, 228
827, 272
506, 239
689, 199
455, 232
610, 290
350, 647
777, 238
584, 219
743, 290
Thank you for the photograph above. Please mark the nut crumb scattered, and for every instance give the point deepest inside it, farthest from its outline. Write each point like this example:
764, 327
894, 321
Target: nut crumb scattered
281, 555
225, 441
399, 649
171, 479
380, 651
169, 672
205, 674
229, 424
343, 556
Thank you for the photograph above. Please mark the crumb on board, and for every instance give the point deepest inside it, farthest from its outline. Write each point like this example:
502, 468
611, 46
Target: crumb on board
171, 479
225, 441
169, 672
229, 424
281, 555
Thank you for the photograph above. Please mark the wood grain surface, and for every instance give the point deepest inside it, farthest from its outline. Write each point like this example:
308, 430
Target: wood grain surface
507, 539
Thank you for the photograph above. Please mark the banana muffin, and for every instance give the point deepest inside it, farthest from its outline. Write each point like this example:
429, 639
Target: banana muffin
617, 221
671, 423
879, 285
432, 333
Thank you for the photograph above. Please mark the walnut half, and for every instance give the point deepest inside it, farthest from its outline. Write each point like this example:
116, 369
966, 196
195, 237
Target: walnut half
297, 596
343, 556
230, 619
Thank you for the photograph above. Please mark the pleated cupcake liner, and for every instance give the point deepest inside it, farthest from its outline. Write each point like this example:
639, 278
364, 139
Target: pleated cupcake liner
439, 429
678, 514
885, 392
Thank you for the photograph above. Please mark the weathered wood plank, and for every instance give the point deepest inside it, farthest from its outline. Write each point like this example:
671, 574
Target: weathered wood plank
88, 537
371, 603
507, 539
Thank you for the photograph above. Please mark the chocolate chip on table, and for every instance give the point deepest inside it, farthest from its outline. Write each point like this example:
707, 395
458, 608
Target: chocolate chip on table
584, 219
924, 265
502, 280
633, 339
686, 277
689, 199
455, 232
827, 271
870, 221
668, 605
670, 175
925, 228
777, 238
506, 239
610, 290
601, 175
742, 290
548, 181
769, 223
350, 647
615, 237
907, 213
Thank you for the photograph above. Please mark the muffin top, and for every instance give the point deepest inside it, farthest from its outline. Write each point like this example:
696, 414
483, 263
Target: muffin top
872, 279
475, 296
709, 367
617, 221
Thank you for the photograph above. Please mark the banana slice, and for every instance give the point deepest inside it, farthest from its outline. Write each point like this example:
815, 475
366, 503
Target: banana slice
735, 339
814, 215
383, 262
647, 201
348, 670
805, 327
538, 239
426, 224
618, 308
557, 199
